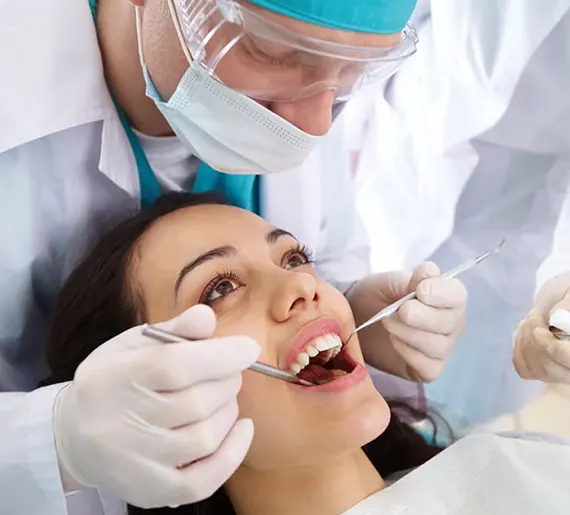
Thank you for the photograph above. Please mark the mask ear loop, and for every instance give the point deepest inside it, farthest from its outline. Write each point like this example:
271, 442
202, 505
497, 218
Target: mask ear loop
138, 19
179, 33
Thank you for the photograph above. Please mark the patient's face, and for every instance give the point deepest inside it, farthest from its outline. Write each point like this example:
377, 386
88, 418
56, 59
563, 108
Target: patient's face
260, 283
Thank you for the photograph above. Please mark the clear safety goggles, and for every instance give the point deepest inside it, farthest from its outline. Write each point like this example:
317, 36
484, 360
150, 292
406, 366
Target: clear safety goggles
267, 61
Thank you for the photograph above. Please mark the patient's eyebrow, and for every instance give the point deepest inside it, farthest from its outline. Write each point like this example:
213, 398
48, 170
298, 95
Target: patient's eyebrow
217, 253
275, 234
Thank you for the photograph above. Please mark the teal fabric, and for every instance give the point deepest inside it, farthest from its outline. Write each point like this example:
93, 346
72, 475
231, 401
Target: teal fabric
239, 190
369, 16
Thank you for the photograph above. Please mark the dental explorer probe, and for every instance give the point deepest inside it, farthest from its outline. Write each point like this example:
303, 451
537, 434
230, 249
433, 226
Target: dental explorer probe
392, 308
262, 368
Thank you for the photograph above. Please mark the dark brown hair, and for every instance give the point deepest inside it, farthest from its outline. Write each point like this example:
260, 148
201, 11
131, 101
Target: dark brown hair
99, 301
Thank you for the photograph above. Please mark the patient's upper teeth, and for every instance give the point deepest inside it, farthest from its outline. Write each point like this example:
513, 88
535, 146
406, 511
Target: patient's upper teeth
326, 355
327, 342
321, 343
324, 348
303, 359
311, 351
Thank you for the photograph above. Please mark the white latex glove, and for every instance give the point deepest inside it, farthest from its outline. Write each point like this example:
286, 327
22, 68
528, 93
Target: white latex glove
140, 413
538, 353
415, 342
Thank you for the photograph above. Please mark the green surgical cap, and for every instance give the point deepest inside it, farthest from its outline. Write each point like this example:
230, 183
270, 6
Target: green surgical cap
370, 16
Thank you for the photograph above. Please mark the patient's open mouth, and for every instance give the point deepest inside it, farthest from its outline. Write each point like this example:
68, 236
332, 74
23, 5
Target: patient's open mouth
323, 360
318, 354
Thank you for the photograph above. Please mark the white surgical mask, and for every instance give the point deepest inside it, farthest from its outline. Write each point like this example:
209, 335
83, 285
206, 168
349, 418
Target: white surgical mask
227, 130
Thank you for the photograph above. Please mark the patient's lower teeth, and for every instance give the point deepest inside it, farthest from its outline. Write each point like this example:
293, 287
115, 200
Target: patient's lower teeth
330, 376
325, 356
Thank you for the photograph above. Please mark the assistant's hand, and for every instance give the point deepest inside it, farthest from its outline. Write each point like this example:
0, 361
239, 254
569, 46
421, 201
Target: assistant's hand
538, 354
415, 342
156, 423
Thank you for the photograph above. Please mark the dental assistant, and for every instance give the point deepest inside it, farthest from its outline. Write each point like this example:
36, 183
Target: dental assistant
478, 126
103, 107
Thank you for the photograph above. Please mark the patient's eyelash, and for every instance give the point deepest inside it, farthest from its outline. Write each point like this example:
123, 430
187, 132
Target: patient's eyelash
227, 282
299, 251
212, 293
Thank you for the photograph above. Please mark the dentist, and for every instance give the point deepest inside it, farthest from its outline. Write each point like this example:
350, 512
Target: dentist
103, 107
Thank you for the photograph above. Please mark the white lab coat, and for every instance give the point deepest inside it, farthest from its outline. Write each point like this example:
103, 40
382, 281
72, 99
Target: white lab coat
66, 172
468, 143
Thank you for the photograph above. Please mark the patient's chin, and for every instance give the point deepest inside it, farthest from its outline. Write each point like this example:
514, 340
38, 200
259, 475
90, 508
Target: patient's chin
367, 423
352, 428
295, 431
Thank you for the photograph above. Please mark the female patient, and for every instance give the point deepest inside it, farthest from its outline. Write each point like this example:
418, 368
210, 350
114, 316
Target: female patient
321, 450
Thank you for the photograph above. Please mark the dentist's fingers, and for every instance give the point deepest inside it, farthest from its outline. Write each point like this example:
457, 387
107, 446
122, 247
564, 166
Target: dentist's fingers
434, 346
416, 315
421, 367
175, 366
442, 292
176, 409
203, 478
423, 272
187, 444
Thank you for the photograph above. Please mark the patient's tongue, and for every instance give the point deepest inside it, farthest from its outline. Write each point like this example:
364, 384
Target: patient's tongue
317, 374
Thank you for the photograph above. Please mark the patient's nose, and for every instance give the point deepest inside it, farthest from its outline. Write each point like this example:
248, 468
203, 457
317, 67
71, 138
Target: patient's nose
293, 294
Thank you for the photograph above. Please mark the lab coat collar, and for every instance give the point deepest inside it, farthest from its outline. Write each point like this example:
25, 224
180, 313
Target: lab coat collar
50, 55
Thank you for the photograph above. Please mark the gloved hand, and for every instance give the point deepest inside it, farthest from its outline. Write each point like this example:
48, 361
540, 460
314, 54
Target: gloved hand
140, 413
538, 354
415, 342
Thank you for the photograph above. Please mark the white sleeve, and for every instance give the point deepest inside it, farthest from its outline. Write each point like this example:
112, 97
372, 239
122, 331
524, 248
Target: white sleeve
350, 264
469, 61
558, 261
344, 255
30, 483
477, 44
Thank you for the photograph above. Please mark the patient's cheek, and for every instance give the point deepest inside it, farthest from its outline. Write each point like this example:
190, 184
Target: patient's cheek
252, 397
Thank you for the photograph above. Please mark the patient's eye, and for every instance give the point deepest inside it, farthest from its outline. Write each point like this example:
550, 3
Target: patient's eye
221, 286
296, 257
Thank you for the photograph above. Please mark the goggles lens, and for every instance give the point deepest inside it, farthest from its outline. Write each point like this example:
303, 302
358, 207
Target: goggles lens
266, 61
